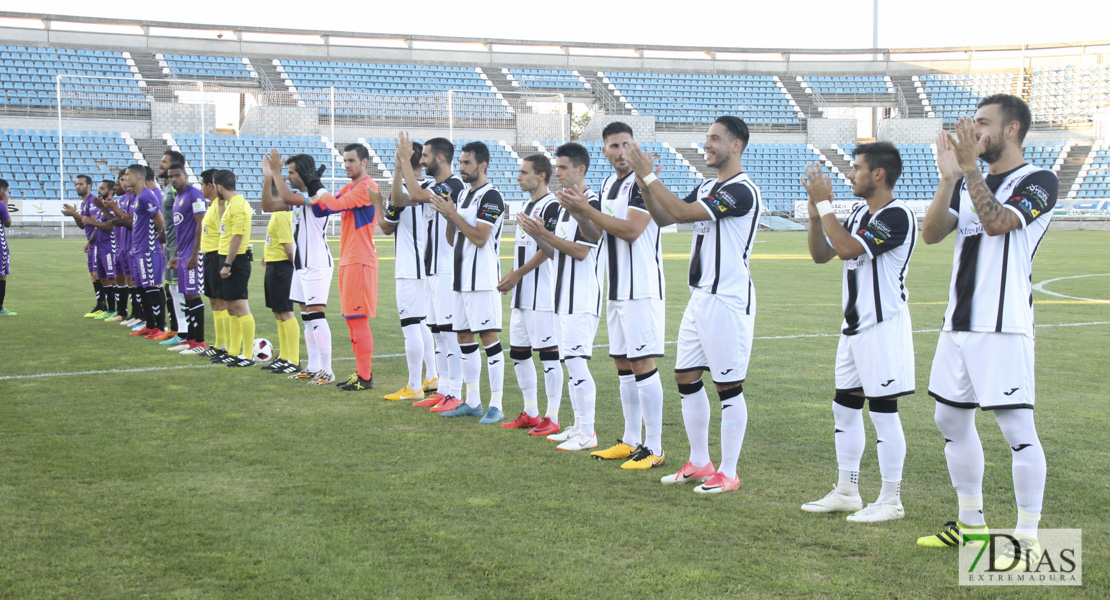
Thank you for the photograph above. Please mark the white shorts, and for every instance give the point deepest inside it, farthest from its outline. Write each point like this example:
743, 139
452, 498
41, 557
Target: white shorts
411, 303
635, 328
440, 302
576, 335
532, 329
311, 285
477, 312
714, 337
987, 370
878, 360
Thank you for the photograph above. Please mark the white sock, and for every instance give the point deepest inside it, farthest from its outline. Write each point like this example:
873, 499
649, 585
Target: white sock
891, 493
495, 370
552, 385
695, 416
431, 357
583, 395
471, 371
178, 304
1028, 467
849, 440
964, 452
322, 331
734, 423
630, 405
890, 445
526, 379
310, 346
414, 353
454, 363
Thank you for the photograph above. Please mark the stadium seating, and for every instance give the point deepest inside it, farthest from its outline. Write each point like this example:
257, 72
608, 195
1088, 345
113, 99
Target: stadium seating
393, 91
775, 168
29, 159
836, 85
546, 79
1069, 93
28, 78
698, 99
1093, 181
504, 163
205, 67
951, 96
677, 172
243, 154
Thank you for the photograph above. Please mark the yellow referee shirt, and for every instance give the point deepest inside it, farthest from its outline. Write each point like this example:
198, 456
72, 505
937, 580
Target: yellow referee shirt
210, 229
278, 232
235, 221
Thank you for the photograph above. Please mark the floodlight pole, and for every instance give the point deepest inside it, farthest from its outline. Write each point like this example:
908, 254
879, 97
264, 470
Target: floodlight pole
331, 107
61, 164
450, 115
203, 99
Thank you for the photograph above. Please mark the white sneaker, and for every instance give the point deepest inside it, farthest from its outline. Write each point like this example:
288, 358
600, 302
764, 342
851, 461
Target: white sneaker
179, 347
876, 513
129, 322
579, 442
834, 502
564, 435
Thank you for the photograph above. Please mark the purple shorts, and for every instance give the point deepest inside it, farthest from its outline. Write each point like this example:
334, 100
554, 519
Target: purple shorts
190, 282
105, 263
123, 263
148, 269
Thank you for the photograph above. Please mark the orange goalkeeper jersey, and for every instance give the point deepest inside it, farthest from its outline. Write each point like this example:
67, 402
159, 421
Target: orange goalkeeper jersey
356, 241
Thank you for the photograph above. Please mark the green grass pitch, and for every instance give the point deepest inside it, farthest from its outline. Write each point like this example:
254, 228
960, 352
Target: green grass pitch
130, 472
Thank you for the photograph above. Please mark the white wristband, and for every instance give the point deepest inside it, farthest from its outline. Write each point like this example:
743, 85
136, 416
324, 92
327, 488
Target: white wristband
651, 178
824, 207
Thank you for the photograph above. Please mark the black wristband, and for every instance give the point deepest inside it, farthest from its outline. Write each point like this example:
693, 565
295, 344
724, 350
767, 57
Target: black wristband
227, 264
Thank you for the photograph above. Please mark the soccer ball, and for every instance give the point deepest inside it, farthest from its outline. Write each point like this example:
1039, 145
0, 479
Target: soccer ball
263, 349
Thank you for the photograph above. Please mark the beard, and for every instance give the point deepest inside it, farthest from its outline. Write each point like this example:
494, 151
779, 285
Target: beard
994, 150
432, 169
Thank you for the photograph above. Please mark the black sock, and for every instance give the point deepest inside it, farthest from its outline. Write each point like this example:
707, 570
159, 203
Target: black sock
121, 300
152, 305
137, 302
170, 308
98, 291
3, 290
110, 297
160, 312
195, 310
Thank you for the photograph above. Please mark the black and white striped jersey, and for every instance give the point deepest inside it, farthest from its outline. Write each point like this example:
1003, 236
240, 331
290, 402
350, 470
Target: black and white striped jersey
721, 247
410, 237
437, 252
634, 270
991, 288
534, 291
311, 238
874, 283
479, 268
577, 282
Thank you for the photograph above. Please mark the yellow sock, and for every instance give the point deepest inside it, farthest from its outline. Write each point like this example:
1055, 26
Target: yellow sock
293, 338
221, 317
246, 328
281, 339
235, 336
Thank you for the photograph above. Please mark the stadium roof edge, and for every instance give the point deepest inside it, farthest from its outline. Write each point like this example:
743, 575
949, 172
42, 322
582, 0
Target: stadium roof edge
523, 44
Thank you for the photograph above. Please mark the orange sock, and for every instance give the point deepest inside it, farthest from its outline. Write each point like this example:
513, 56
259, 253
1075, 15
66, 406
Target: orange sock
362, 342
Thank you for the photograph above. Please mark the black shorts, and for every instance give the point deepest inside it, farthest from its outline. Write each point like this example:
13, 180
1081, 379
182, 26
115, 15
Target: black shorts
235, 286
279, 278
212, 262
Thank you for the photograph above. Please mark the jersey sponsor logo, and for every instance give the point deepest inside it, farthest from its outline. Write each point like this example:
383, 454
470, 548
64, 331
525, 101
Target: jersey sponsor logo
972, 229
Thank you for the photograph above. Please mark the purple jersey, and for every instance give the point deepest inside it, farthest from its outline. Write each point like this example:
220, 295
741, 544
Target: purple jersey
87, 208
123, 233
187, 204
105, 238
144, 236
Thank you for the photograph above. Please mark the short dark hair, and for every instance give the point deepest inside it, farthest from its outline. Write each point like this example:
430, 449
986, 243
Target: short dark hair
176, 158
736, 126
207, 177
137, 168
614, 128
479, 150
121, 172
224, 179
882, 155
541, 164
442, 146
177, 166
3, 184
109, 182
360, 151
149, 173
417, 150
576, 153
1013, 109
88, 180
304, 164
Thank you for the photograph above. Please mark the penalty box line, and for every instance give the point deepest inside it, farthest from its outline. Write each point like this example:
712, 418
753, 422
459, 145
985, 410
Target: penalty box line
383, 356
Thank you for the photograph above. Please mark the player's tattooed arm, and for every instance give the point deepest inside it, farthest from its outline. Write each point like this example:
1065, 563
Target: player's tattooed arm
996, 219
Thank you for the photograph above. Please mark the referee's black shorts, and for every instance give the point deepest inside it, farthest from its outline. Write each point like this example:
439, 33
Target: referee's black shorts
279, 278
211, 265
235, 286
